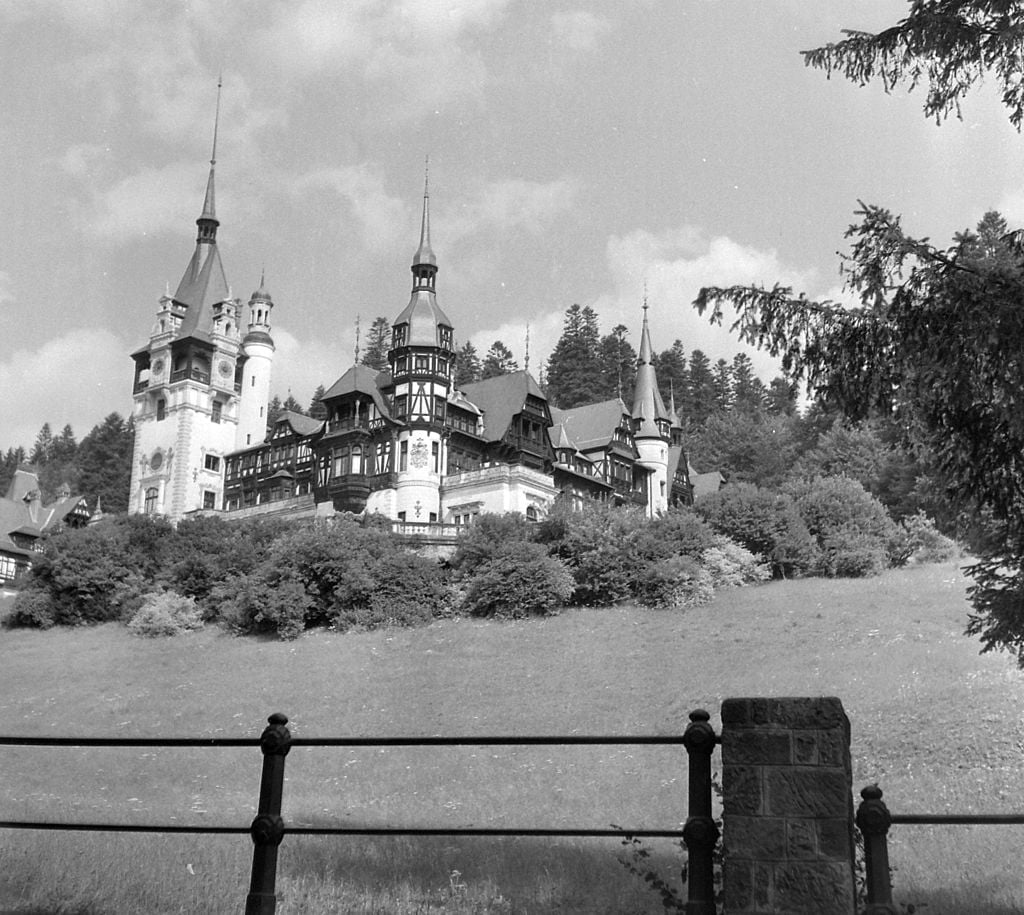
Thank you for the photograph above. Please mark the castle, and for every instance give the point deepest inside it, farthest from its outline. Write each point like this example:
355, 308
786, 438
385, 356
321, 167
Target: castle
405, 443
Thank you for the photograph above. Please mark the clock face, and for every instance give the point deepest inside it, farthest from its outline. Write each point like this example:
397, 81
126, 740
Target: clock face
158, 366
224, 368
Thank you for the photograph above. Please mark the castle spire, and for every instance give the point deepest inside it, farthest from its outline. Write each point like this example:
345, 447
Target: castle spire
207, 222
425, 254
648, 407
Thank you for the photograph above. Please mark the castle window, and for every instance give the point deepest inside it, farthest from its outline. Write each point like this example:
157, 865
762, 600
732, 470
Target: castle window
161, 409
403, 456
342, 462
435, 454
152, 494
401, 406
209, 499
211, 462
216, 410
531, 513
357, 459
422, 363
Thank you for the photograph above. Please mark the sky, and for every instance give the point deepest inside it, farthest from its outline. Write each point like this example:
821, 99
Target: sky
579, 150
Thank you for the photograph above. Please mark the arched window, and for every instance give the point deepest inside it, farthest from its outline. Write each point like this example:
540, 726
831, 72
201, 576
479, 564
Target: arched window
531, 513
357, 459
152, 496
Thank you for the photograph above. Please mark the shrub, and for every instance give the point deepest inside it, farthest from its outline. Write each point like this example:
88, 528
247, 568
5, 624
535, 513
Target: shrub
33, 608
407, 590
251, 603
165, 613
731, 565
674, 583
598, 545
766, 523
924, 541
482, 539
854, 531
519, 580
678, 532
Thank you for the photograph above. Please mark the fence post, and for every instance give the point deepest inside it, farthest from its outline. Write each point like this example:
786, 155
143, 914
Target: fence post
267, 828
873, 820
700, 832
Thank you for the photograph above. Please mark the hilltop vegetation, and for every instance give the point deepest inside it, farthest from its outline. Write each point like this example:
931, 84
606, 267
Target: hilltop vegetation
350, 573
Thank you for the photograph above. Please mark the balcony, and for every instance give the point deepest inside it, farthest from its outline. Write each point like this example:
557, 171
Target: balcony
430, 531
190, 374
140, 386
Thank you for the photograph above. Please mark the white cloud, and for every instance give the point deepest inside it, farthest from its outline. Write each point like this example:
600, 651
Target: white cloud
77, 378
545, 329
579, 30
675, 265
301, 365
145, 203
5, 288
383, 220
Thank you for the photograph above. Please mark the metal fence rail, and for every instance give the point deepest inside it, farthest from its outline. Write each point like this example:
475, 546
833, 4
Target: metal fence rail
874, 819
267, 830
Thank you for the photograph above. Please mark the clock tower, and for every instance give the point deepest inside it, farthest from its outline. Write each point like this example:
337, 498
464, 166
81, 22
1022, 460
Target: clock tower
188, 381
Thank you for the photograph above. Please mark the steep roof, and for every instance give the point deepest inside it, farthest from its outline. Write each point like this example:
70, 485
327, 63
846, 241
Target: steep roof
501, 398
591, 425
648, 406
202, 286
22, 512
424, 316
300, 423
361, 379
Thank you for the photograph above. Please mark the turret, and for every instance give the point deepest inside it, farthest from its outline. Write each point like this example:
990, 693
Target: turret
421, 360
254, 370
651, 425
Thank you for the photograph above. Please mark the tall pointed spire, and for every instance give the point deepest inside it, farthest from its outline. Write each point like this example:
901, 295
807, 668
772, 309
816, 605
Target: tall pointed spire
425, 254
208, 221
648, 407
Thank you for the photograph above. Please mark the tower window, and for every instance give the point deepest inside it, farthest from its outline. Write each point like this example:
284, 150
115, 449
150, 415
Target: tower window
209, 499
211, 462
216, 410
152, 494
403, 456
161, 409
435, 454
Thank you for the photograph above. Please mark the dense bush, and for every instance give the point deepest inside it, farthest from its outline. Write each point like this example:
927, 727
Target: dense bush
733, 566
925, 543
520, 579
165, 613
32, 609
598, 545
766, 523
677, 532
674, 583
480, 541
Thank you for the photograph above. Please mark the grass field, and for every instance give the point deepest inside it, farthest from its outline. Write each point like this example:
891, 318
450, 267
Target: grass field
938, 726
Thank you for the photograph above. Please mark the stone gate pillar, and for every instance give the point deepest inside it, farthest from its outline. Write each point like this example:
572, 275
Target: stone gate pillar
787, 807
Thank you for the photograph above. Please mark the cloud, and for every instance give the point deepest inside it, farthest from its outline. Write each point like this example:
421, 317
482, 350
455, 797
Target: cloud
145, 203
300, 365
675, 264
6, 296
382, 219
420, 52
579, 30
77, 378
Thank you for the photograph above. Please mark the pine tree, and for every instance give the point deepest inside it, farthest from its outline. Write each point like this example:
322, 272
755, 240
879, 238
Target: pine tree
701, 403
42, 451
316, 408
748, 391
378, 342
498, 361
574, 368
9, 464
781, 397
105, 462
617, 361
722, 386
292, 405
274, 409
467, 365
674, 379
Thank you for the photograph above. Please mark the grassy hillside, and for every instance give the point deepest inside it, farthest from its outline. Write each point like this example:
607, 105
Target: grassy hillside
937, 725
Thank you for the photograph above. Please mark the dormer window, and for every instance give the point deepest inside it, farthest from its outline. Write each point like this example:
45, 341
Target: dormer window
398, 336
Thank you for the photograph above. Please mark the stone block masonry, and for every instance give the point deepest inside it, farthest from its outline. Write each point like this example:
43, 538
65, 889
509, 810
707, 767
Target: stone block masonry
788, 807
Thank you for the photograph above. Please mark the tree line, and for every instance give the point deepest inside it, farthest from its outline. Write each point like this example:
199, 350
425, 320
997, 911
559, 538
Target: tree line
99, 467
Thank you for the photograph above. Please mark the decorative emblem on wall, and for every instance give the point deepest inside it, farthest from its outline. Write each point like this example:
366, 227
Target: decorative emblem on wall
225, 367
157, 367
156, 461
418, 455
